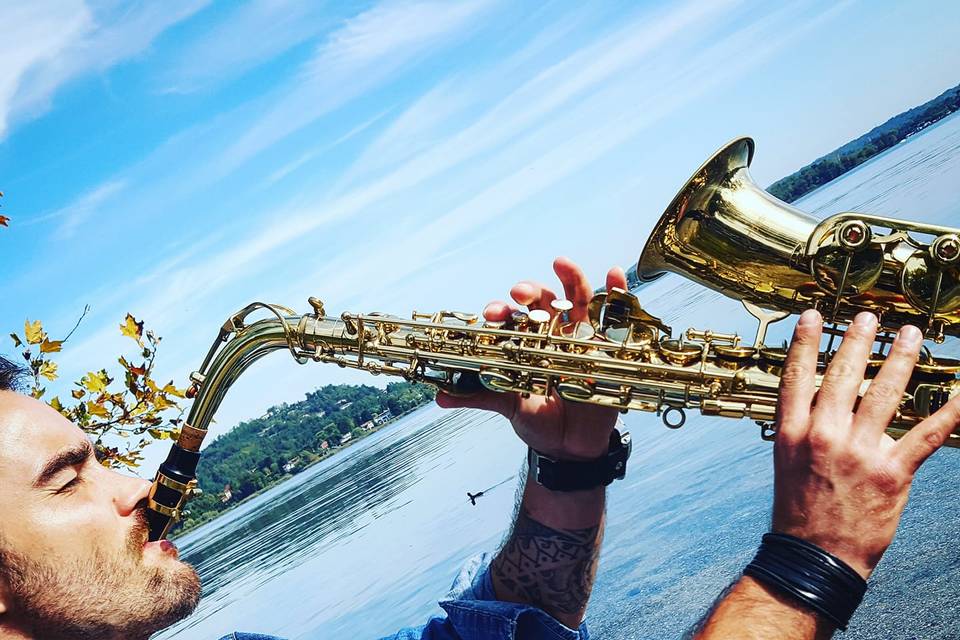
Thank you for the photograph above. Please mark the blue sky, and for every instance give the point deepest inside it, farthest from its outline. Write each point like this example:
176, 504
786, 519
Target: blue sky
178, 160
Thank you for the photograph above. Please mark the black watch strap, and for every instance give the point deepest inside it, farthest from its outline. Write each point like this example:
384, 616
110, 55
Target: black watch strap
571, 475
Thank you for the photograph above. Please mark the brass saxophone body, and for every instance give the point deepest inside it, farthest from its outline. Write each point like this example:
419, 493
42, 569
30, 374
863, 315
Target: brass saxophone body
721, 230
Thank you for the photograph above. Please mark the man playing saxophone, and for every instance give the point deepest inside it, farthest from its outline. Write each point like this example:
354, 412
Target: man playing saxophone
74, 561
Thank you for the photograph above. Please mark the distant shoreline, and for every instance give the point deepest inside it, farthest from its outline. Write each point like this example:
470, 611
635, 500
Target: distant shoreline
854, 153
289, 476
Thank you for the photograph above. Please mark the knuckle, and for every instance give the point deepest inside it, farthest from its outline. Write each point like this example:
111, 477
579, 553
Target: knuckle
786, 439
819, 440
795, 373
887, 479
840, 370
932, 439
882, 390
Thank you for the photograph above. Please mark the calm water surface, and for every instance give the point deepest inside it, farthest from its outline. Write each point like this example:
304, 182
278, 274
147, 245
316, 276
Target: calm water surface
366, 542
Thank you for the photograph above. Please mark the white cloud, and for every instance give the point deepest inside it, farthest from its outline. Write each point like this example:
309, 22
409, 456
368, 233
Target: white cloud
366, 52
48, 43
35, 34
250, 35
79, 211
307, 156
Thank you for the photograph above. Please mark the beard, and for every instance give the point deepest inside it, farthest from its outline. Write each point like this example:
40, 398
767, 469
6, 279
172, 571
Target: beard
102, 596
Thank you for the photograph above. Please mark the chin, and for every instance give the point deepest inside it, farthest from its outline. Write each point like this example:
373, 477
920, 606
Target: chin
176, 589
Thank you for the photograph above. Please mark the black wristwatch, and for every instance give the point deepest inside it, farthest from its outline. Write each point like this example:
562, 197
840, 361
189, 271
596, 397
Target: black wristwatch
570, 475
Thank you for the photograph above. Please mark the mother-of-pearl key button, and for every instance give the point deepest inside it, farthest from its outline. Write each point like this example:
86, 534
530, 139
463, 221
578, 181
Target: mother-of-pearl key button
539, 316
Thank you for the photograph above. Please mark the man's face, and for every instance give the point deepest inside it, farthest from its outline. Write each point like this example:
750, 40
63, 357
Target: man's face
73, 558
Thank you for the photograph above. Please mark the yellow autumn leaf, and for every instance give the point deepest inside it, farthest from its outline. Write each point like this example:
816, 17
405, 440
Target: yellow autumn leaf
161, 403
170, 389
51, 346
48, 370
132, 329
97, 410
33, 331
95, 382
56, 404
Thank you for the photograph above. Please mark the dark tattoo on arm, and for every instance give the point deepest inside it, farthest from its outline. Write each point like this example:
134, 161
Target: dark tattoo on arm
552, 569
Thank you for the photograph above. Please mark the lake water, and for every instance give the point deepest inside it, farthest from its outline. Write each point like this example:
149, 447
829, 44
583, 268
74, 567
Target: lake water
367, 541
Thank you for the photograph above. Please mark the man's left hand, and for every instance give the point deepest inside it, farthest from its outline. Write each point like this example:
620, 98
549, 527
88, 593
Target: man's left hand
552, 426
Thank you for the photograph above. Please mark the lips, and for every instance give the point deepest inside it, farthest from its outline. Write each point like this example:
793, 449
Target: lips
164, 546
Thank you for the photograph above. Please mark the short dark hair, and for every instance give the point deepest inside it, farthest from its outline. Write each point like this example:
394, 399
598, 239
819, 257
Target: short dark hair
11, 375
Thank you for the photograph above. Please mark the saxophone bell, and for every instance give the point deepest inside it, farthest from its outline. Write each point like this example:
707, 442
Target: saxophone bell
725, 232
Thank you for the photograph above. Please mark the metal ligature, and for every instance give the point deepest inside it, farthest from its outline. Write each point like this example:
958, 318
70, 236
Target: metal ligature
721, 230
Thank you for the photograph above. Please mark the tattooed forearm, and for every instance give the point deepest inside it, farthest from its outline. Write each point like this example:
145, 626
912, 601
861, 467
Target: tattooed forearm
552, 569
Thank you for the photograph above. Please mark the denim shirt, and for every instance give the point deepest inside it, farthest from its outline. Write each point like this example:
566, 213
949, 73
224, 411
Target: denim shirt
474, 613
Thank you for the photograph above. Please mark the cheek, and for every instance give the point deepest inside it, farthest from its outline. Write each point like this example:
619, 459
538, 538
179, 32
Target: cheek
74, 526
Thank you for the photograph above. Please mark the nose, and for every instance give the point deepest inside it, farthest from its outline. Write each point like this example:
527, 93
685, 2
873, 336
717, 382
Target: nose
131, 494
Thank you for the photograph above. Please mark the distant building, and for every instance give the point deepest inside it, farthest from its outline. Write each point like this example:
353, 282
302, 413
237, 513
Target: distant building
324, 446
342, 404
366, 426
290, 465
347, 437
227, 494
382, 417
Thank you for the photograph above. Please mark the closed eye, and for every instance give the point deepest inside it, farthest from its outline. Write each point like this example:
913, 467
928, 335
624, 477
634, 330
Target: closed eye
70, 486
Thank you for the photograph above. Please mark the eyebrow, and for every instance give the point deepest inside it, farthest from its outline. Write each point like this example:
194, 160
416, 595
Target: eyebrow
71, 457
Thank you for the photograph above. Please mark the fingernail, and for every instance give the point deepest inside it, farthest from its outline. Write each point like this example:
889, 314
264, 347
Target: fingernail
809, 318
865, 319
909, 334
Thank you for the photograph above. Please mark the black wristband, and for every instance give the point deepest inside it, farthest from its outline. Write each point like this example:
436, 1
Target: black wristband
816, 578
571, 475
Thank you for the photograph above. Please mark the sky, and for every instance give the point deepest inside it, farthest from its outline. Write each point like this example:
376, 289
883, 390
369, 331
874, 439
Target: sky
178, 160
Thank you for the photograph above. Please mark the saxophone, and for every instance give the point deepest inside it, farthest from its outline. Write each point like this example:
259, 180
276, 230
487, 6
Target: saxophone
722, 231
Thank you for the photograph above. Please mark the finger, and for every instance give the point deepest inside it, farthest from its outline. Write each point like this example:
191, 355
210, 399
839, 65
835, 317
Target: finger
616, 279
503, 403
798, 381
498, 311
533, 294
880, 402
841, 383
576, 287
928, 436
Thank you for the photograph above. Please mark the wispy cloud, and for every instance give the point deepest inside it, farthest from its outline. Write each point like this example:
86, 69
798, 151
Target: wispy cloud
48, 43
72, 215
367, 51
250, 34
306, 157
36, 34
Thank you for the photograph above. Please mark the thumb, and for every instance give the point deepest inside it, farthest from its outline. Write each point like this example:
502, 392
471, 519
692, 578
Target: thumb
503, 403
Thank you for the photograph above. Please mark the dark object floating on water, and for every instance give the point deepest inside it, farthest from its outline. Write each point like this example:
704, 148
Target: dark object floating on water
473, 496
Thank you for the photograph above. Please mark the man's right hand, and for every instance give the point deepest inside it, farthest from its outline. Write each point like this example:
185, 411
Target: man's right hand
841, 483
